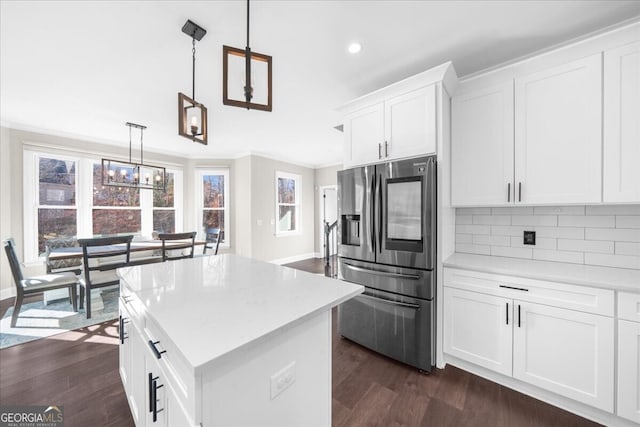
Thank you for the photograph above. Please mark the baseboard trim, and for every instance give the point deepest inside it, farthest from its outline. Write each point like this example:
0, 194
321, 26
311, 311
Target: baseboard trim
295, 258
7, 293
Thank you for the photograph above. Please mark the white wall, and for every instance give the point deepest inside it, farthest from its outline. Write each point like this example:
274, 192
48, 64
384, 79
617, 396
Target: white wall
6, 281
242, 212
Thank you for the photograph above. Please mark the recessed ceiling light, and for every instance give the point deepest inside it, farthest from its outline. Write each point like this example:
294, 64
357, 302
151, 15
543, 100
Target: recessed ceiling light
354, 47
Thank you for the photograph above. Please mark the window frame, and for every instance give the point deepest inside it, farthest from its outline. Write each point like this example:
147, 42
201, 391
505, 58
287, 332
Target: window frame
84, 198
199, 199
297, 205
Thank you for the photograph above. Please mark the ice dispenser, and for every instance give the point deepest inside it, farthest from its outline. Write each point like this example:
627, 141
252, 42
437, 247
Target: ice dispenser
350, 230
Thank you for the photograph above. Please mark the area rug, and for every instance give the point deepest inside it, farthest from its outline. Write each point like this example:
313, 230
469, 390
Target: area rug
39, 321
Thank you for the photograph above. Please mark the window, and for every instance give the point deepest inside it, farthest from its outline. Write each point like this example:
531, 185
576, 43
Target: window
57, 210
288, 195
64, 196
213, 212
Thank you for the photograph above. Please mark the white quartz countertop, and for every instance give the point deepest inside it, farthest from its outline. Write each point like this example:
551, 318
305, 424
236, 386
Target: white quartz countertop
212, 306
621, 279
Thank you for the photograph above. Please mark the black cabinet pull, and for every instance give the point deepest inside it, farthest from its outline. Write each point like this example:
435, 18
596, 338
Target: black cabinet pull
518, 315
155, 411
507, 311
519, 191
508, 192
121, 332
151, 386
155, 350
514, 288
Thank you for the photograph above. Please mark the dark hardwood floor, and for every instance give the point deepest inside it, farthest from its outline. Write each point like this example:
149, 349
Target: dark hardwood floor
79, 369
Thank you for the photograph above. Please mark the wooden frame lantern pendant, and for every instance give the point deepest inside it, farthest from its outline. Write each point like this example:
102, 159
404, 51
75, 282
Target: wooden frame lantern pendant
192, 115
246, 77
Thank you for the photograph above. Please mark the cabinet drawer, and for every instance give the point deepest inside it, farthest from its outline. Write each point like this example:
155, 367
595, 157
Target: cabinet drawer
629, 306
175, 368
573, 297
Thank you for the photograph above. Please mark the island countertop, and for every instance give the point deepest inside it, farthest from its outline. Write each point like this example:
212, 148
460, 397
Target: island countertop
214, 305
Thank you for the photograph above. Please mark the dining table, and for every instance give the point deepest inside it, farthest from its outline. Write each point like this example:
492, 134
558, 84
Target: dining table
137, 246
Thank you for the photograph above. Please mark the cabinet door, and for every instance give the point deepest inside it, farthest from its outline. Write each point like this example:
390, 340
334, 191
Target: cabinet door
364, 136
410, 124
621, 124
558, 134
176, 416
124, 349
482, 147
138, 392
629, 370
477, 328
565, 351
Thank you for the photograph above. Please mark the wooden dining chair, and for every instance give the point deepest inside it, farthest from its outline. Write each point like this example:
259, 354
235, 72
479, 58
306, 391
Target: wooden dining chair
36, 284
213, 236
172, 242
100, 259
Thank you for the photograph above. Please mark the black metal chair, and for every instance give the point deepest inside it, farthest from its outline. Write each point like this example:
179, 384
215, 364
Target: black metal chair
36, 284
213, 236
100, 259
177, 242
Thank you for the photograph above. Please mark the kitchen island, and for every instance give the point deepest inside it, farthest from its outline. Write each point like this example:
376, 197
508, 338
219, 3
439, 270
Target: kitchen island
227, 340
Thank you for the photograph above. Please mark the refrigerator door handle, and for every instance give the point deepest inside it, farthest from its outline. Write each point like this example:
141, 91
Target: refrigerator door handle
382, 273
380, 207
388, 301
372, 210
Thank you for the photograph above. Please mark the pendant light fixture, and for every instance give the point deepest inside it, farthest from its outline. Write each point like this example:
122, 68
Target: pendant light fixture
246, 77
118, 173
192, 115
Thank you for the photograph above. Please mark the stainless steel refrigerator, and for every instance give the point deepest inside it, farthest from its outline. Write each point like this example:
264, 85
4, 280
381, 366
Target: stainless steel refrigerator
387, 242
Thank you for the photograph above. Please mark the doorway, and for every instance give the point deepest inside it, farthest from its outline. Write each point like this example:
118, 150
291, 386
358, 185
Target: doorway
328, 202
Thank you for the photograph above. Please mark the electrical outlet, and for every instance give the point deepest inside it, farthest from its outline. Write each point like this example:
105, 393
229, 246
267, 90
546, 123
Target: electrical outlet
283, 379
529, 238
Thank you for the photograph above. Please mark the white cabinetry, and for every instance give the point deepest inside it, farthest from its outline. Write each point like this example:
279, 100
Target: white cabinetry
482, 146
402, 126
629, 356
555, 336
558, 133
622, 124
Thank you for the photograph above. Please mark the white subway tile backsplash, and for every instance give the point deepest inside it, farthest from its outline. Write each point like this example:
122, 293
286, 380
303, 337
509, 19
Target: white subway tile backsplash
559, 210
473, 249
616, 234
492, 240
464, 238
500, 230
628, 221
516, 210
627, 248
492, 219
473, 211
560, 233
542, 220
511, 252
558, 256
473, 229
595, 235
464, 219
541, 243
600, 246
621, 261
587, 221
613, 210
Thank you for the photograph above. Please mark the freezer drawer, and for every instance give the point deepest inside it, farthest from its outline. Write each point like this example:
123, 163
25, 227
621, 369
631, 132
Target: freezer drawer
399, 280
397, 326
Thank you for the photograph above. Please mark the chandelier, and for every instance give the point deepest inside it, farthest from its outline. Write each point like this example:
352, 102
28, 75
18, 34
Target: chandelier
118, 173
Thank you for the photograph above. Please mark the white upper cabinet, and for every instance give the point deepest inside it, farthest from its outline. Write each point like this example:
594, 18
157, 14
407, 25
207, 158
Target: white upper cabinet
364, 135
410, 124
558, 134
482, 146
399, 127
622, 124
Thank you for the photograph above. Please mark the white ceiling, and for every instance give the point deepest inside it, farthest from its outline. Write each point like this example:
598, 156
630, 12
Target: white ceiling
83, 69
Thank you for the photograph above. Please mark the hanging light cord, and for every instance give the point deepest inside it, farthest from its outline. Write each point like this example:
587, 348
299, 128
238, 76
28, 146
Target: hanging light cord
130, 142
247, 88
141, 133
193, 69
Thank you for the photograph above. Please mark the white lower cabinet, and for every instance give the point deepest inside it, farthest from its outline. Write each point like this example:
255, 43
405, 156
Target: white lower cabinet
564, 351
629, 356
478, 329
